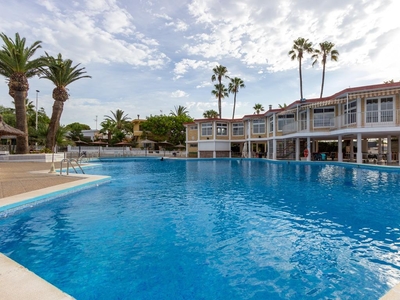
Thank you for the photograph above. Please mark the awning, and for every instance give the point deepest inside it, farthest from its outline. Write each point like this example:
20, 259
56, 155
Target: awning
371, 94
324, 103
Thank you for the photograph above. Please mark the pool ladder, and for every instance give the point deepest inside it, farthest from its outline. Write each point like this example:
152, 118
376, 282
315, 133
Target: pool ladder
69, 162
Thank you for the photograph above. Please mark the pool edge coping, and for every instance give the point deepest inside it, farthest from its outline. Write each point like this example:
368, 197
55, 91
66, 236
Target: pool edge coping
12, 273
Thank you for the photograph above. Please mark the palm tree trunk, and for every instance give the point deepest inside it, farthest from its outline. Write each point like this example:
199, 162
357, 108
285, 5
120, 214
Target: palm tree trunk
234, 106
21, 124
58, 107
219, 101
323, 80
301, 81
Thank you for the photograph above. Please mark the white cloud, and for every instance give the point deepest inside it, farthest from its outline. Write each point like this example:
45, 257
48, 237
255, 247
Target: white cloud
179, 94
140, 51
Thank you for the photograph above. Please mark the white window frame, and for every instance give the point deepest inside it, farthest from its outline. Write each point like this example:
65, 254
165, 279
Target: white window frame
324, 119
303, 120
258, 126
379, 113
238, 129
221, 129
284, 120
206, 129
271, 124
350, 112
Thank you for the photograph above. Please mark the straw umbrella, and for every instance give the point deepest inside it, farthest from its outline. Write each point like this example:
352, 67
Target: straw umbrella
164, 144
80, 143
145, 142
123, 144
6, 129
99, 143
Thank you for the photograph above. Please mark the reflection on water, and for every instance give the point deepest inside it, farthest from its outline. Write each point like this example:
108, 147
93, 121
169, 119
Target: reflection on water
217, 229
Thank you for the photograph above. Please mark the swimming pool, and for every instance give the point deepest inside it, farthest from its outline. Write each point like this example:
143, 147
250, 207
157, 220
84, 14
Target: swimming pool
216, 229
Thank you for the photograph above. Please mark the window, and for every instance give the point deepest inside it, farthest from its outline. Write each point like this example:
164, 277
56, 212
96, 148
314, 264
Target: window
303, 120
222, 129
238, 129
259, 126
271, 124
379, 110
350, 113
206, 129
285, 119
194, 127
324, 117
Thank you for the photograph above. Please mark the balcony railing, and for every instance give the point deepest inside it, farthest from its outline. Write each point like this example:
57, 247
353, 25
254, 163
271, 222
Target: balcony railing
369, 119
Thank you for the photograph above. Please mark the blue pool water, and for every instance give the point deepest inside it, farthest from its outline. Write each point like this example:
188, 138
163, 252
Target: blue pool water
216, 229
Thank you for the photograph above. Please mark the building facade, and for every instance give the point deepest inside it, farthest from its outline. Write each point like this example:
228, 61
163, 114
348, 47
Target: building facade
350, 119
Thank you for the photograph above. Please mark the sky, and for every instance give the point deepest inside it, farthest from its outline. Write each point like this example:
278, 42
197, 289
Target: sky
148, 57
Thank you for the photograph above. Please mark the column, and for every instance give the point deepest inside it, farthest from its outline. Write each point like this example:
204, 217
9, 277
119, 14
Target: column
297, 146
340, 147
389, 149
309, 149
352, 150
274, 149
359, 148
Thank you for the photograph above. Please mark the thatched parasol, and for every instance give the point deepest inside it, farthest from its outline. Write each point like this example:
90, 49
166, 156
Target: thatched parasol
6, 129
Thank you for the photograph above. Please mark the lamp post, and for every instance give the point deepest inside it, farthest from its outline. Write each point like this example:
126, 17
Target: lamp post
36, 124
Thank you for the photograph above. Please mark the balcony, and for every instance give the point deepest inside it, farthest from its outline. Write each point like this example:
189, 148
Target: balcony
369, 119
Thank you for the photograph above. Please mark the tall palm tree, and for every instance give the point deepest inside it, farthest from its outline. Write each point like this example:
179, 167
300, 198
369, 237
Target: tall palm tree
220, 92
325, 50
233, 88
16, 65
258, 107
210, 114
61, 73
299, 48
219, 72
179, 111
120, 120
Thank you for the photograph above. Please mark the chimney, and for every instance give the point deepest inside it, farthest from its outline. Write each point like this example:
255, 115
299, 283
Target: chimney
270, 107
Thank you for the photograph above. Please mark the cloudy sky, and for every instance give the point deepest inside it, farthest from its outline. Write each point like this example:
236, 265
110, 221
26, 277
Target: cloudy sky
146, 57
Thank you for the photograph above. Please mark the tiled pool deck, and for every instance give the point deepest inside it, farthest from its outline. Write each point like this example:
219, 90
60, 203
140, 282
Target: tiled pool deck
22, 181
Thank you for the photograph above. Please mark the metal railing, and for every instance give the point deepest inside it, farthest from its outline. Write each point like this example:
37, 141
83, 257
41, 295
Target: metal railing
70, 162
369, 119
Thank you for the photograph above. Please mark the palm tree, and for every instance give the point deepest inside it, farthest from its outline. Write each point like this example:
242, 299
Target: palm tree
107, 127
120, 120
258, 108
61, 73
282, 106
179, 111
220, 92
234, 86
326, 50
16, 66
300, 47
219, 72
210, 114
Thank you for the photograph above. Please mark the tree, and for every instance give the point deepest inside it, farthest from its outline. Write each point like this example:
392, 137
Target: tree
179, 111
120, 120
220, 92
16, 66
258, 108
282, 106
234, 86
107, 127
300, 46
325, 50
219, 72
61, 73
210, 114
